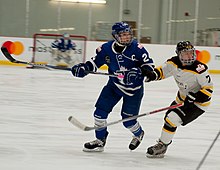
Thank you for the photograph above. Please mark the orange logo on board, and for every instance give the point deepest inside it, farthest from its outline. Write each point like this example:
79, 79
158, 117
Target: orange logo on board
15, 48
203, 56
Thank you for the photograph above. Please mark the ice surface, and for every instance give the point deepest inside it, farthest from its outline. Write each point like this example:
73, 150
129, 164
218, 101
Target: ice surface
36, 135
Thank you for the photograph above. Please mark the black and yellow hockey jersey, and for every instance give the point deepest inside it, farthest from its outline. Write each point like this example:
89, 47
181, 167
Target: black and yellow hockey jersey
193, 78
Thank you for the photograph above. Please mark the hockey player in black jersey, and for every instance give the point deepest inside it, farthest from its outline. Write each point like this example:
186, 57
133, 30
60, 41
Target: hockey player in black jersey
195, 90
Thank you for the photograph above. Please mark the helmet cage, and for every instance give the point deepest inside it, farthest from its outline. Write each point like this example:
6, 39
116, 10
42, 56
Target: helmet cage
187, 60
182, 48
118, 29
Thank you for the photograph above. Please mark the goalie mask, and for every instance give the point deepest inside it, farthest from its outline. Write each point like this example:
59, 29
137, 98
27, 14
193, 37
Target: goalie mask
122, 33
186, 52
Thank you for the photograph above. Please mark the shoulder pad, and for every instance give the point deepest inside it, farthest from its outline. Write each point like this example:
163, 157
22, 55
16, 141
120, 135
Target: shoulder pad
104, 46
140, 46
99, 49
199, 67
175, 60
59, 40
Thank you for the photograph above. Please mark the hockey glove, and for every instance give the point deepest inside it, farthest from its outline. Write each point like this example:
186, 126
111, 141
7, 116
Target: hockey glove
150, 75
189, 100
80, 69
132, 76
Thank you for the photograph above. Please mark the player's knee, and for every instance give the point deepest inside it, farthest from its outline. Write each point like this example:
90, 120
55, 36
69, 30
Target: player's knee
100, 114
173, 120
101, 105
129, 123
191, 114
100, 117
100, 122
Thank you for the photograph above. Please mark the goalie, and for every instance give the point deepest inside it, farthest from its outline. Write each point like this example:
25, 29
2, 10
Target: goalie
62, 51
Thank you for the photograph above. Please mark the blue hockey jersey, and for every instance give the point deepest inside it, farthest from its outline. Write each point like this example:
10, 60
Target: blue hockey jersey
132, 56
63, 45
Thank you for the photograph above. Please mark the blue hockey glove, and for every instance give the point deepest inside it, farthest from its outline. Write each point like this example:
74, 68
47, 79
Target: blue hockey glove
132, 76
79, 70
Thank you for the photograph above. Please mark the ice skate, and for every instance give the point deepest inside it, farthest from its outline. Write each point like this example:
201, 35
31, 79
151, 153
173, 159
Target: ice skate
96, 145
157, 151
135, 142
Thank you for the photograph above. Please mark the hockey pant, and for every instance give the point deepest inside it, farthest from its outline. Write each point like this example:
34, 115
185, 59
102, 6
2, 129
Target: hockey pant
176, 117
130, 107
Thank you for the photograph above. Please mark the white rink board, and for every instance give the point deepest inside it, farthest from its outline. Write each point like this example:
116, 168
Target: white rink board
160, 53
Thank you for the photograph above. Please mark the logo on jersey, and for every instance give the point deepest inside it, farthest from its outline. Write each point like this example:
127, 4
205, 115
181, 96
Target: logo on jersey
120, 58
140, 46
122, 68
181, 85
107, 59
99, 49
200, 67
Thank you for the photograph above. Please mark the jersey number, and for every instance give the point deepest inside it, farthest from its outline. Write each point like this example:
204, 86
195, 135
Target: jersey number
145, 57
209, 78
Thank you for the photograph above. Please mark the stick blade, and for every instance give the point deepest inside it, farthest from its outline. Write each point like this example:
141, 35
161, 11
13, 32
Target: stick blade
78, 124
7, 54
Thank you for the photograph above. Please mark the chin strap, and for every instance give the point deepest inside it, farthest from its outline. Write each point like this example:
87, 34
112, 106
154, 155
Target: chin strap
120, 45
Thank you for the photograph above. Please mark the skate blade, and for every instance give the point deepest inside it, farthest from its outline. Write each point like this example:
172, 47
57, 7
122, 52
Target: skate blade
99, 149
154, 156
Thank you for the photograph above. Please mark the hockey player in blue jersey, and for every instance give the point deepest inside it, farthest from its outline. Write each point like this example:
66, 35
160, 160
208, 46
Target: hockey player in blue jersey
61, 49
126, 56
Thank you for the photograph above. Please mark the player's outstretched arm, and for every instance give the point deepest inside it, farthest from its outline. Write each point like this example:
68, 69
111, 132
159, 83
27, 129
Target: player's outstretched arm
150, 75
82, 69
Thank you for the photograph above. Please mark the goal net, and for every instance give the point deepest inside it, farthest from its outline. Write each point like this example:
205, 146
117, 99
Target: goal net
43, 53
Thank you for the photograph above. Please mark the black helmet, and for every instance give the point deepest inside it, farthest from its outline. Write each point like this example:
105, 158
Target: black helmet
184, 46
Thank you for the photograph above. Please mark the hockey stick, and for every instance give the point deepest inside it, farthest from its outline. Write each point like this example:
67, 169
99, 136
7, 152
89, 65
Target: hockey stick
207, 152
48, 66
13, 60
83, 127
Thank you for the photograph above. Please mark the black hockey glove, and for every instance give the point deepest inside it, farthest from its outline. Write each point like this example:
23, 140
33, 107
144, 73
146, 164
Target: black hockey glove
81, 69
150, 75
132, 76
189, 100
